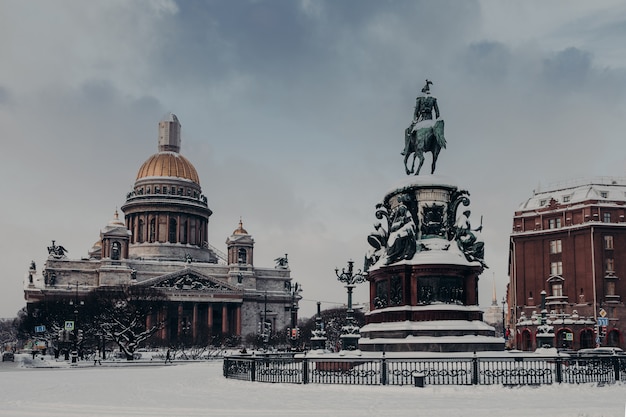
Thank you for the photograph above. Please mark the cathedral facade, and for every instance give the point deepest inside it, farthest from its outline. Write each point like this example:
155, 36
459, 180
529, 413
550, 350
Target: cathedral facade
162, 245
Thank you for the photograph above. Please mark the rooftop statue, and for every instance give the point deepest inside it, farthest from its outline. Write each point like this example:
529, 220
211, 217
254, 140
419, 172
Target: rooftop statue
425, 134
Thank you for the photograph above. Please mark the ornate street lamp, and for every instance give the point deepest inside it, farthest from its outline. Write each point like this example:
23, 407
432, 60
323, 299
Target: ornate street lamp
350, 332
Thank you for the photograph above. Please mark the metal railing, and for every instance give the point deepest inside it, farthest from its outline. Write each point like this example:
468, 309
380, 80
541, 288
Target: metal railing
473, 370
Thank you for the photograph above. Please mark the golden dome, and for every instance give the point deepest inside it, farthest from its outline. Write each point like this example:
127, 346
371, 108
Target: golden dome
168, 164
240, 230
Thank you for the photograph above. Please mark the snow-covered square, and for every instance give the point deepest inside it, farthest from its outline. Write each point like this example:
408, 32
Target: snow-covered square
199, 389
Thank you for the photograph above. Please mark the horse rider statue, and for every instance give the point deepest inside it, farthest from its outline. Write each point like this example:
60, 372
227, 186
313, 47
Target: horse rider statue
425, 104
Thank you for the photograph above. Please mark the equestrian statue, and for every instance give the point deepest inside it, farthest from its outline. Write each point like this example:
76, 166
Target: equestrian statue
425, 134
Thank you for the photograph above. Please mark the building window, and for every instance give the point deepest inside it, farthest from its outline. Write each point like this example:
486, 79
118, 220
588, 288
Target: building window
556, 286
115, 251
556, 268
566, 198
604, 194
610, 265
608, 242
606, 217
542, 203
184, 238
242, 257
555, 246
554, 223
172, 231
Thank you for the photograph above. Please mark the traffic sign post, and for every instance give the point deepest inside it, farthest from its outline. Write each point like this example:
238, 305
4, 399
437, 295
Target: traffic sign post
603, 321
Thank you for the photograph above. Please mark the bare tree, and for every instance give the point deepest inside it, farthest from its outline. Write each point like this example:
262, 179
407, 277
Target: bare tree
121, 313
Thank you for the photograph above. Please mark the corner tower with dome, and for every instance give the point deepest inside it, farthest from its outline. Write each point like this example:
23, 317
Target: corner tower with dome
162, 245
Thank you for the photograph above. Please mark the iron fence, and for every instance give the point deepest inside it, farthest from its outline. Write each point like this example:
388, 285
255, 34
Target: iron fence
473, 370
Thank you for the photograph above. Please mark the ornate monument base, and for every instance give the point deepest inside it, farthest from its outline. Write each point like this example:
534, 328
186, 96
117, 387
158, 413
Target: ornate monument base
423, 272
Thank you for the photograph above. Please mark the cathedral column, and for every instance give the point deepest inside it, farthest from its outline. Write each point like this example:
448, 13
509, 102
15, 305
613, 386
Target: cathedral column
179, 331
179, 229
194, 323
163, 319
224, 318
238, 320
210, 319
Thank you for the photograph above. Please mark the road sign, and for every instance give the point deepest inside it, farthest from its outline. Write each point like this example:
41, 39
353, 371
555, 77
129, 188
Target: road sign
40, 329
69, 325
603, 321
602, 312
569, 336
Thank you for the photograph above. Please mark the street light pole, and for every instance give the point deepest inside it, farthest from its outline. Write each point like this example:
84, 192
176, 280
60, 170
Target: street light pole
75, 330
503, 322
350, 332
296, 289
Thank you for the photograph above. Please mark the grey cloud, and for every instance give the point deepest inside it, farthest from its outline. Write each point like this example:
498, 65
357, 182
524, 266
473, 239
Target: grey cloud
5, 96
488, 60
567, 69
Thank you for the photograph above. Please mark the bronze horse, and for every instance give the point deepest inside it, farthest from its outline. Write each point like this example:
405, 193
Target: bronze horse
426, 139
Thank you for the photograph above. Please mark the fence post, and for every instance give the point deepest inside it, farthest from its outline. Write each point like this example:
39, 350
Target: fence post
225, 370
558, 363
616, 367
305, 370
383, 370
475, 369
253, 369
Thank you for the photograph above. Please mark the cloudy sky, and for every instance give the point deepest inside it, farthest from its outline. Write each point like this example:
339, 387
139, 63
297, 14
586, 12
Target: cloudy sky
293, 114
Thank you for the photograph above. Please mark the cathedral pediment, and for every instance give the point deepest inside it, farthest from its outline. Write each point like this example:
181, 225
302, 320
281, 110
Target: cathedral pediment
191, 280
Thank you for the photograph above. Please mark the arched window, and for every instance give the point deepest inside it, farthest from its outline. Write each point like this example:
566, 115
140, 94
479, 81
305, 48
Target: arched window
115, 251
612, 338
586, 339
172, 231
565, 339
184, 236
242, 256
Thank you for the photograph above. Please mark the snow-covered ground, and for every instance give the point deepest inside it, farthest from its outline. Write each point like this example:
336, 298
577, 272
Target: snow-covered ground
199, 389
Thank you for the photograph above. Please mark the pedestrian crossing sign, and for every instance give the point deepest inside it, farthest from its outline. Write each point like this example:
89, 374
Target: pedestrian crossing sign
69, 325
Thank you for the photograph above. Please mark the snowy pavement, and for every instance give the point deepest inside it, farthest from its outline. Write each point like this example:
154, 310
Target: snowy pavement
199, 389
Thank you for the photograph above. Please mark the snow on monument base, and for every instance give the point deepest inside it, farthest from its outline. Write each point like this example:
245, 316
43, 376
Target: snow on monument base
423, 272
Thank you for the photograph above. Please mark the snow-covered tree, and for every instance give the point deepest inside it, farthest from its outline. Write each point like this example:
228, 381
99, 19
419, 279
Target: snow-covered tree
121, 313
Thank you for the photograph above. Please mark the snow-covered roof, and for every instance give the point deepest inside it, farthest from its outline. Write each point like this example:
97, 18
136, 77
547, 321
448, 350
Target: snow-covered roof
610, 189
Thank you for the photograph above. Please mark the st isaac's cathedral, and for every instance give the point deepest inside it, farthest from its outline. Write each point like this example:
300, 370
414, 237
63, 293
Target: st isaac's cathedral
162, 244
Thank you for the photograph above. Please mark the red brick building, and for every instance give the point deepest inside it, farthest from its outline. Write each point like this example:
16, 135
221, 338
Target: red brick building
570, 241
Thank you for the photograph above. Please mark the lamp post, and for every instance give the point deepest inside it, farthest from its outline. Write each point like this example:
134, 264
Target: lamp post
503, 320
350, 332
75, 330
294, 331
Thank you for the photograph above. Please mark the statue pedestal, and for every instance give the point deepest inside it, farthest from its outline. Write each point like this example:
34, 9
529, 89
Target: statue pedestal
424, 277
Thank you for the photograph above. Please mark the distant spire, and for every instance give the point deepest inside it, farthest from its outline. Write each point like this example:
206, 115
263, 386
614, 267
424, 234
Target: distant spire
169, 134
494, 298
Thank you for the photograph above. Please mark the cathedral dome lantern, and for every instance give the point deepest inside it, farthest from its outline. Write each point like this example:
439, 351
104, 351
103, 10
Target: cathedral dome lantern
166, 211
